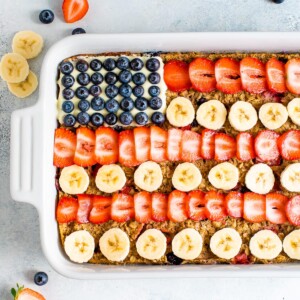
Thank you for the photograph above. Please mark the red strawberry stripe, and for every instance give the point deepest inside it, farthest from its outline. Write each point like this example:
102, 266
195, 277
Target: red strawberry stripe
177, 206
292, 69
275, 71
245, 146
142, 207
122, 208
158, 144
225, 147
289, 145
159, 207
214, 205
174, 144
196, 206
66, 210
190, 146
101, 209
127, 149
142, 143
254, 207
234, 204
85, 203
275, 208
207, 149
293, 210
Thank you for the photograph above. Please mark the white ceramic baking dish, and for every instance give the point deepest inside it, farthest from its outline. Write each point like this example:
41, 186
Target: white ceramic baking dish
32, 131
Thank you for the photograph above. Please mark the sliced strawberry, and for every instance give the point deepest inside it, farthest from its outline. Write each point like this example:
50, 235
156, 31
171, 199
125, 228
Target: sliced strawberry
101, 209
289, 145
66, 210
107, 147
196, 206
190, 146
127, 149
293, 210
176, 75
159, 207
142, 207
74, 10
234, 204
26, 294
275, 208
202, 74
158, 144
64, 147
174, 144
241, 259
275, 75
254, 207
225, 147
142, 143
207, 150
215, 206
292, 70
177, 206
253, 75
122, 208
85, 203
228, 75
245, 146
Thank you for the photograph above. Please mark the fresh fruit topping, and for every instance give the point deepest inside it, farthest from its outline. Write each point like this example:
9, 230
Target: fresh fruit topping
100, 210
214, 206
290, 244
174, 144
158, 144
69, 121
290, 178
293, 211
190, 146
22, 293
152, 64
159, 207
142, 143
122, 208
158, 118
241, 259
74, 10
46, 16
195, 205
225, 147
254, 207
127, 149
273, 115
136, 64
207, 150
289, 145
78, 31
275, 208
293, 109
275, 72
245, 146
40, 278
85, 203
173, 259
292, 70
142, 207
66, 210
177, 206
234, 204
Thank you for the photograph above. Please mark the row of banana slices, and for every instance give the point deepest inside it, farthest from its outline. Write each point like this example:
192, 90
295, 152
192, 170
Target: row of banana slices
187, 244
242, 115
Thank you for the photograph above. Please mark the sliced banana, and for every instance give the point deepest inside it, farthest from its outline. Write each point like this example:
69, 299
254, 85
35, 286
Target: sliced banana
242, 116
151, 244
14, 68
290, 178
25, 88
80, 246
224, 176
28, 44
148, 176
273, 115
265, 244
260, 179
293, 109
226, 243
186, 177
187, 244
74, 180
180, 112
212, 114
291, 244
114, 244
110, 178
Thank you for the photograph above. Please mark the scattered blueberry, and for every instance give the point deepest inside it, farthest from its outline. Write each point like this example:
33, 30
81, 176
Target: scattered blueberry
278, 1
127, 104
126, 118
95, 90
96, 65
111, 78
138, 91
40, 278
136, 64
109, 64
112, 106
83, 118
82, 65
141, 118
96, 78
158, 118
118, 128
97, 103
69, 120
78, 31
111, 119
152, 64
68, 94
173, 259
195, 123
139, 78
140, 103
201, 101
154, 91
155, 103
123, 63
82, 92
97, 119
125, 90
67, 81
68, 106
154, 78
66, 67
125, 76
83, 105
83, 79
46, 16
111, 91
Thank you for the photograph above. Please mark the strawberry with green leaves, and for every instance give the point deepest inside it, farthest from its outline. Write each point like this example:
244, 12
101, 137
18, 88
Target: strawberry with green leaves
21, 293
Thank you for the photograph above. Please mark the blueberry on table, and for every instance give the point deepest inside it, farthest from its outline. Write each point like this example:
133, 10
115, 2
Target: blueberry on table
83, 118
95, 90
173, 259
152, 64
123, 63
112, 106
83, 79
139, 78
66, 67
154, 91
111, 78
126, 118
68, 106
111, 91
136, 64
69, 120
78, 31
155, 103
40, 278
158, 118
138, 91
140, 103
111, 119
109, 64
127, 104
141, 118
96, 65
125, 90
154, 78
68, 94
67, 81
82, 65
82, 92
83, 105
125, 76
97, 103
96, 78
97, 119
46, 16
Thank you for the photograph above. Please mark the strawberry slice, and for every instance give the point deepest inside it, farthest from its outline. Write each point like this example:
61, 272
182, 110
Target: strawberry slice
289, 145
174, 144
142, 143
66, 210
234, 204
196, 206
202, 74
292, 70
101, 210
207, 149
225, 147
275, 208
190, 146
107, 147
254, 207
176, 75
293, 210
158, 144
64, 148
22, 293
74, 10
275, 71
253, 75
122, 208
245, 146
127, 149
228, 75
142, 207
159, 207
177, 206
85, 203
214, 206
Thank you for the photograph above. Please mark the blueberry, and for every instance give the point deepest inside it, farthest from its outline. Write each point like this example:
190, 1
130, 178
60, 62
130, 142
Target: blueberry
109, 64
83, 118
154, 78
126, 118
83, 79
66, 67
68, 106
82, 92
111, 78
195, 123
68, 94
140, 103
111, 91
123, 63
152, 64
69, 120
118, 128
83, 105
111, 119
82, 65
173, 259
158, 118
67, 81
136, 64
127, 104
138, 91
278, 1
139, 78
97, 119
97, 103
125, 76
112, 106
96, 65
78, 31
141, 118
96, 78
95, 90
154, 90
46, 16
125, 90
155, 103
201, 101
40, 278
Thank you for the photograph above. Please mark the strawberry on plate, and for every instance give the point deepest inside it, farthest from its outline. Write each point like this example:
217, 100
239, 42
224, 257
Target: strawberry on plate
289, 145
142, 207
74, 10
225, 147
127, 149
85, 203
215, 206
158, 144
254, 207
122, 208
293, 210
275, 72
101, 209
66, 210
245, 146
159, 207
195, 206
174, 144
22, 293
190, 146
202, 74
234, 204
177, 206
275, 208
292, 70
207, 149
142, 143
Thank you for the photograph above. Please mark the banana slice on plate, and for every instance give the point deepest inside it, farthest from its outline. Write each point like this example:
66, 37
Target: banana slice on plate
74, 180
242, 116
14, 68
260, 179
80, 246
186, 177
114, 244
151, 244
187, 244
290, 178
293, 109
273, 115
180, 112
265, 244
28, 44
224, 176
110, 178
148, 176
212, 114
291, 244
226, 243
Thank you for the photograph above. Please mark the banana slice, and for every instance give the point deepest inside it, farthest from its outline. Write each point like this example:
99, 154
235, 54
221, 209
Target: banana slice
28, 44
114, 244
187, 244
79, 246
260, 179
291, 244
290, 178
226, 243
180, 112
14, 68
265, 244
152, 244
74, 180
224, 176
186, 177
25, 88
293, 109
148, 176
110, 178
273, 115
